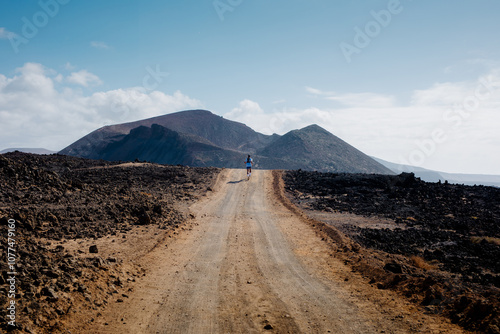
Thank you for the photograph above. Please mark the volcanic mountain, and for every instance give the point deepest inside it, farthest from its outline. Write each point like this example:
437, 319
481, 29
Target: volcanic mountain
319, 150
200, 138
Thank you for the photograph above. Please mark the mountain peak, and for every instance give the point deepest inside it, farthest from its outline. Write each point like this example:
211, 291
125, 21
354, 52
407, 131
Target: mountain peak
314, 127
201, 111
320, 150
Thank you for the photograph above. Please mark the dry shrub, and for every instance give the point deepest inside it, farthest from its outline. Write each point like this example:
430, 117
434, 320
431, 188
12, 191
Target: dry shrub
490, 240
419, 262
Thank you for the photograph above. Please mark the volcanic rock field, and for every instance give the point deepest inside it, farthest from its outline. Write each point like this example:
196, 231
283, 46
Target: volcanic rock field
56, 198
442, 240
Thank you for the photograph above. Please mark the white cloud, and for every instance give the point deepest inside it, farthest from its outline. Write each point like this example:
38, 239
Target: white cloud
247, 112
84, 78
34, 112
31, 81
100, 45
246, 107
369, 100
315, 91
354, 99
68, 66
441, 94
5, 34
250, 113
478, 63
466, 113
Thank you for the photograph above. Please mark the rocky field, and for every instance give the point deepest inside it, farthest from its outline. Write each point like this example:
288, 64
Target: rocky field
438, 244
83, 226
62, 206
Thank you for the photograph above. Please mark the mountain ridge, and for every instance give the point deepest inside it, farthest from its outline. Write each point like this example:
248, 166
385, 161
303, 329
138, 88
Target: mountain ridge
201, 138
33, 150
199, 122
429, 175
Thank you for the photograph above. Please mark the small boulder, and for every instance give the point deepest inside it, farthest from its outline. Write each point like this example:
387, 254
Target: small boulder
393, 267
49, 292
144, 219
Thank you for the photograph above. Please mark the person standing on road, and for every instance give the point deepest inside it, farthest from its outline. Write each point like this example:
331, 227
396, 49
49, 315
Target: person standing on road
249, 164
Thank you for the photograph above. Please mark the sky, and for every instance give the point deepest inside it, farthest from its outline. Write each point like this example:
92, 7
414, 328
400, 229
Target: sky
414, 82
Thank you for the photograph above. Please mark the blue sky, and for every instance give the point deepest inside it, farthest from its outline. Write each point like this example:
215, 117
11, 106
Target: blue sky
275, 65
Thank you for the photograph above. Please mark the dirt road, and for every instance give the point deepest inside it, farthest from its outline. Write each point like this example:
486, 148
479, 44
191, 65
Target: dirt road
249, 265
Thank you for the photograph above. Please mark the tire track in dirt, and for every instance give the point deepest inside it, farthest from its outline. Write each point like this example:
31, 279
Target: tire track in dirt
313, 304
248, 264
249, 302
